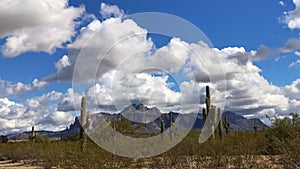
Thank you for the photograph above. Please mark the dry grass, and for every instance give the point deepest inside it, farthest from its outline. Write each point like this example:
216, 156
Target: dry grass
275, 148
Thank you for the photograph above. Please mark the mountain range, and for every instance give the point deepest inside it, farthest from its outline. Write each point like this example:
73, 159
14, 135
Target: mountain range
150, 118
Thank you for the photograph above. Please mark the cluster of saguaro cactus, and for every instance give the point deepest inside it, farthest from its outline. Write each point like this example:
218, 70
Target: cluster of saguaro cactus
32, 135
83, 122
216, 114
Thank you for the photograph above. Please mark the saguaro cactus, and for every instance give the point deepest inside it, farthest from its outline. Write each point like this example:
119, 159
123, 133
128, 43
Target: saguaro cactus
32, 135
171, 123
226, 124
210, 109
162, 126
204, 114
255, 127
83, 122
207, 100
213, 122
205, 111
215, 114
220, 126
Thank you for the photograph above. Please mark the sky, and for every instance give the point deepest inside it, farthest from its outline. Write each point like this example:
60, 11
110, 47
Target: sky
55, 51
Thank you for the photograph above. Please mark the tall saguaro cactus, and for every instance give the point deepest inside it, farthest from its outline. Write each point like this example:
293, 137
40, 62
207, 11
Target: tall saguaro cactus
162, 126
83, 122
204, 114
207, 100
171, 124
205, 111
210, 109
220, 126
213, 120
32, 135
226, 124
214, 114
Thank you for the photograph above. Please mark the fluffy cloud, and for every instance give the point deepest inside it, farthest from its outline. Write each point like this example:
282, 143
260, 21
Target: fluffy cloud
117, 61
111, 11
12, 116
293, 90
55, 101
10, 110
63, 62
50, 111
171, 57
36, 25
70, 101
246, 91
117, 90
20, 89
56, 118
123, 46
102, 47
292, 18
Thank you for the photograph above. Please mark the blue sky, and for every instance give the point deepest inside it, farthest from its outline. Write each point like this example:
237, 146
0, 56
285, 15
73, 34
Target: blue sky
237, 29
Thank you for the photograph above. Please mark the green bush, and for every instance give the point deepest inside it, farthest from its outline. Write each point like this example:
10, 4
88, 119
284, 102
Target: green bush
3, 139
41, 138
283, 139
238, 149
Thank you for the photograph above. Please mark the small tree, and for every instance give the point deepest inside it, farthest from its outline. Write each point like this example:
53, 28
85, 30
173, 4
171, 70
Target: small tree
283, 139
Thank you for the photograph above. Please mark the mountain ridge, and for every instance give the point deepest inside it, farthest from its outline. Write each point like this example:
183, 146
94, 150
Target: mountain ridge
150, 117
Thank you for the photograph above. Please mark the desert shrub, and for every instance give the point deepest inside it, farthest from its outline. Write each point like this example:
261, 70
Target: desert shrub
283, 139
3, 139
41, 138
74, 137
239, 149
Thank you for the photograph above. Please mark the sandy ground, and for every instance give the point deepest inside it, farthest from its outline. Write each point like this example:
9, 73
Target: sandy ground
191, 162
9, 164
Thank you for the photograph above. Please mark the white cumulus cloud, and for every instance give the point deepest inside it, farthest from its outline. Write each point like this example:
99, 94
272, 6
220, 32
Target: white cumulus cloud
292, 18
116, 58
19, 89
49, 111
32, 25
108, 11
109, 43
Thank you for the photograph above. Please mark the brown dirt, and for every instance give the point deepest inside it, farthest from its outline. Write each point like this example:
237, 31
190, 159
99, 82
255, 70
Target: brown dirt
9, 164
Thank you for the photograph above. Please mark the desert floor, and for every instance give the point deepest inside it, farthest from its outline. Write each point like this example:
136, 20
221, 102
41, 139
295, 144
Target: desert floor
9, 164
